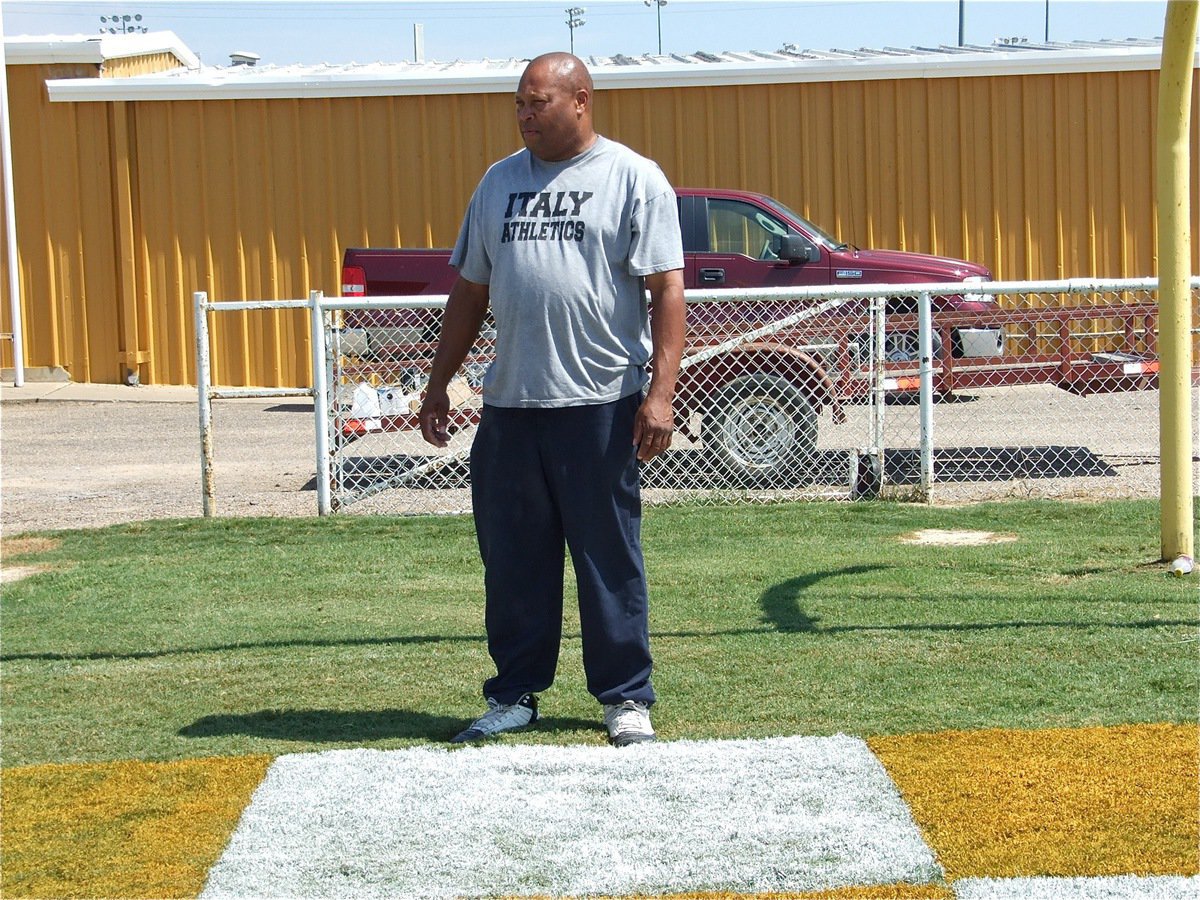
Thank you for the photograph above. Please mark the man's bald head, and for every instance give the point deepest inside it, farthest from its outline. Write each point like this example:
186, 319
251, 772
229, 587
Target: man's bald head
554, 107
565, 69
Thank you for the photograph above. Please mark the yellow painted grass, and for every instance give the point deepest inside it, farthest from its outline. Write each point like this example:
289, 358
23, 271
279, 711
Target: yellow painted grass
125, 829
1078, 802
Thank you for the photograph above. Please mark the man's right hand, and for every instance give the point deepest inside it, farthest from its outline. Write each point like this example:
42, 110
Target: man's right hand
435, 417
465, 309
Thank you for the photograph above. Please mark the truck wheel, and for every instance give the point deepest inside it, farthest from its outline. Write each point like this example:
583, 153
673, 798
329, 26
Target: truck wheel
759, 429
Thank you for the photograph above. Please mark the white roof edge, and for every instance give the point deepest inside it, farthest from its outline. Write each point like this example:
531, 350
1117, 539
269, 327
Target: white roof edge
235, 83
86, 48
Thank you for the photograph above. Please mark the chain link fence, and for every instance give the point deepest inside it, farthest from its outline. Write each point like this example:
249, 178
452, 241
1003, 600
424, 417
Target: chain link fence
1063, 401
1030, 390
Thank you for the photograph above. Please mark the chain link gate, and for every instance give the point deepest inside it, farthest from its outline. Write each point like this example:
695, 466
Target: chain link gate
1036, 389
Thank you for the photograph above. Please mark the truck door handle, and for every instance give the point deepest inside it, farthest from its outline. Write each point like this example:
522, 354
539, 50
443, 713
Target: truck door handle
712, 276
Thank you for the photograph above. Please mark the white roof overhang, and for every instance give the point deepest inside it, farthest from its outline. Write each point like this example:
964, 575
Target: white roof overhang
94, 48
399, 79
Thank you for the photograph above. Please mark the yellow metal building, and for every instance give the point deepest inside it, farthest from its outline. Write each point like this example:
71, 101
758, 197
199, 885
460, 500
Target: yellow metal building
248, 183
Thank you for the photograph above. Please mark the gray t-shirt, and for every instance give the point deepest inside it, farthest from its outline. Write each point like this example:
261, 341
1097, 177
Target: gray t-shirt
563, 247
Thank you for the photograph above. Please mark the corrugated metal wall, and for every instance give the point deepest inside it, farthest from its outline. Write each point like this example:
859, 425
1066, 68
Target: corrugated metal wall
1038, 176
146, 64
63, 193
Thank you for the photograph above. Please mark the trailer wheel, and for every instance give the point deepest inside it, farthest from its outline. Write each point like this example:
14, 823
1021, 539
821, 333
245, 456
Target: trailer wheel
759, 429
899, 346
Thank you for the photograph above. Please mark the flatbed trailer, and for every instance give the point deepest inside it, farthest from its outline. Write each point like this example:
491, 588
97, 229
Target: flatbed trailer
1127, 362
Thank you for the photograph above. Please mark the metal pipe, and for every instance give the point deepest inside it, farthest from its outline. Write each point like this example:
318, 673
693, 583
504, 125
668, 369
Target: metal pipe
10, 223
320, 399
925, 320
1174, 253
255, 392
333, 374
878, 373
220, 305
754, 334
203, 387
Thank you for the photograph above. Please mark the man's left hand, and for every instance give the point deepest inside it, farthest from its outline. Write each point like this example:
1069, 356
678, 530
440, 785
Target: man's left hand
653, 427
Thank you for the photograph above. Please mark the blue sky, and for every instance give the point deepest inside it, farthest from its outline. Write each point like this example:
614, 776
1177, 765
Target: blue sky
286, 31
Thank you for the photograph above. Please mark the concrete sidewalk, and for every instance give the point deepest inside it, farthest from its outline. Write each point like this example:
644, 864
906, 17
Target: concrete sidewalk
37, 391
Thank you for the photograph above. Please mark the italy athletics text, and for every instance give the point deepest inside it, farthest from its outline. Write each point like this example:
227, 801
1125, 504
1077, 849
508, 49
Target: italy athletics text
544, 216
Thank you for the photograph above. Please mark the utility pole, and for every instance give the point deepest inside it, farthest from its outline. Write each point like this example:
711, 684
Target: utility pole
658, 5
574, 20
961, 16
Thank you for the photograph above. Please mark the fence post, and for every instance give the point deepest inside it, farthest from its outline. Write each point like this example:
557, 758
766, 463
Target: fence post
203, 387
925, 336
320, 399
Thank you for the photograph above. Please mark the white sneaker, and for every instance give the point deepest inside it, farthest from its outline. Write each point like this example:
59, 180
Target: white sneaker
500, 717
628, 723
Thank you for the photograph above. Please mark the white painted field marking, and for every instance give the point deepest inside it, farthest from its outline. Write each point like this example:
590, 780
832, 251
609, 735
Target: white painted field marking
784, 814
1120, 887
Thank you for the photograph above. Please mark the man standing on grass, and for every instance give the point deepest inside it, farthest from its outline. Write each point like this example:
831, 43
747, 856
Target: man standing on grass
558, 241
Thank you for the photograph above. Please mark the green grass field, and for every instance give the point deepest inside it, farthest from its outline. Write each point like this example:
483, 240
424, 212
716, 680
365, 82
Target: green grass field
183, 639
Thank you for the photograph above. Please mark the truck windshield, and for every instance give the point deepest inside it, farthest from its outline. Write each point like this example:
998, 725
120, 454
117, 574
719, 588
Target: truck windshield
830, 242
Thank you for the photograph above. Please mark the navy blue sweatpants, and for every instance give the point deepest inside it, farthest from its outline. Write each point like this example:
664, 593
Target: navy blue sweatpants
542, 479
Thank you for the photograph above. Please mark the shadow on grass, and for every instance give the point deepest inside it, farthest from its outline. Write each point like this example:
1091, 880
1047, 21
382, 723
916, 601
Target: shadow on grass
781, 602
782, 612
395, 641
342, 726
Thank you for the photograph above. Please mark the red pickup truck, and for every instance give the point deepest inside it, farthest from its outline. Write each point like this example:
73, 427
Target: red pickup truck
756, 402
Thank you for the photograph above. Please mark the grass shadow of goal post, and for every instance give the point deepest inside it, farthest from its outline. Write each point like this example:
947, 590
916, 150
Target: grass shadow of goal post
781, 602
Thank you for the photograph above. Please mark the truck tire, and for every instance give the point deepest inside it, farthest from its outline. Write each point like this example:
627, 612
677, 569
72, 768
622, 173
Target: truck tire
760, 429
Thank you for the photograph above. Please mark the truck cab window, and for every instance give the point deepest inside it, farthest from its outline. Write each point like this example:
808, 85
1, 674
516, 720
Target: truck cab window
742, 228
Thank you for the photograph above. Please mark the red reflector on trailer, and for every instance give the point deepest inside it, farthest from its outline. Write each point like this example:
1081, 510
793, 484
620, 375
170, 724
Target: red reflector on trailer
354, 281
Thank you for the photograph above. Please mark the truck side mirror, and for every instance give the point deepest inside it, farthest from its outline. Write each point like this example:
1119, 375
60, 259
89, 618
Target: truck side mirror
796, 248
